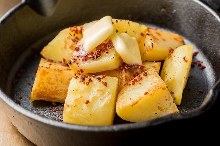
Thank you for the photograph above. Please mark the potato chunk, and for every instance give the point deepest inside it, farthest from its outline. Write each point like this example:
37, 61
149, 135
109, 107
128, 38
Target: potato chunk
62, 46
155, 65
127, 72
176, 70
51, 82
156, 44
103, 58
146, 97
91, 100
133, 29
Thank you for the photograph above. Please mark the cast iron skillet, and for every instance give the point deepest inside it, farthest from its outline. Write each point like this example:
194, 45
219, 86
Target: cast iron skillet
23, 33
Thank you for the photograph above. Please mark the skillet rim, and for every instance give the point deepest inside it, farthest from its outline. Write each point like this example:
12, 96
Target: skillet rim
209, 99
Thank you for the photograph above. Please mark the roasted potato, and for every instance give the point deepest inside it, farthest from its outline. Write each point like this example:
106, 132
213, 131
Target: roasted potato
51, 82
155, 45
62, 46
131, 72
133, 29
176, 70
103, 58
127, 72
91, 100
144, 98
90, 96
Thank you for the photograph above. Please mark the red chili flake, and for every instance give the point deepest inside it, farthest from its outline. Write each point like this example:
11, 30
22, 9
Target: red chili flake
99, 78
90, 80
141, 67
135, 74
136, 79
131, 67
75, 76
171, 92
87, 102
49, 60
142, 34
202, 67
82, 78
63, 62
76, 29
75, 40
199, 63
201, 91
76, 49
18, 76
104, 83
171, 50
185, 59
116, 30
145, 73
195, 53
193, 64
145, 93
133, 82
80, 71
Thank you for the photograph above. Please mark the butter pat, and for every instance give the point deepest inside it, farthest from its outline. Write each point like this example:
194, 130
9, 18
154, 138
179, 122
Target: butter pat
127, 47
97, 33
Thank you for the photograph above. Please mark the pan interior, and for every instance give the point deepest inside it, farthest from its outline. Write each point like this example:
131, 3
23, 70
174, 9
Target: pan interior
22, 77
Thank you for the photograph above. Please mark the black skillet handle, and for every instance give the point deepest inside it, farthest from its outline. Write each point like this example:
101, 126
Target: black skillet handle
216, 88
43, 7
214, 4
212, 96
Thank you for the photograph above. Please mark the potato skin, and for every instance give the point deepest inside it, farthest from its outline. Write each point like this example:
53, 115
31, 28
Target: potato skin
91, 100
144, 98
176, 70
51, 82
